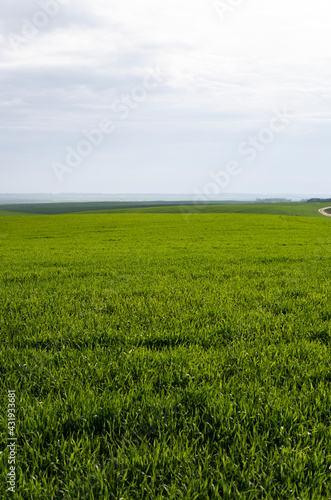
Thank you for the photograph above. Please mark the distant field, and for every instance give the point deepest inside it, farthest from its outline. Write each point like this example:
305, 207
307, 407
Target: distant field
77, 207
72, 207
157, 359
288, 209
9, 213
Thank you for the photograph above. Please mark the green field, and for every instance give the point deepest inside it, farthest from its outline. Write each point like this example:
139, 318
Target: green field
10, 213
297, 209
76, 207
156, 356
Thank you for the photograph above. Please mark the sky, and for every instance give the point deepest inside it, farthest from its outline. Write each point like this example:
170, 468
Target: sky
142, 96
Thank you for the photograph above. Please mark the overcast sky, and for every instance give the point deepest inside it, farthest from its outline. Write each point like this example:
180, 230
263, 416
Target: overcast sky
144, 96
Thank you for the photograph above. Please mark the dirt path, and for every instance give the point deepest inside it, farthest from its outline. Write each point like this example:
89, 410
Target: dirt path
323, 212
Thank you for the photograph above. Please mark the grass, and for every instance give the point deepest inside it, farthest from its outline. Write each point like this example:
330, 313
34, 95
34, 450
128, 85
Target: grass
155, 356
295, 209
9, 213
298, 209
57, 208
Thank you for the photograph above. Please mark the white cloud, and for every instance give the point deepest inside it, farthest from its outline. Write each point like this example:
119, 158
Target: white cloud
221, 78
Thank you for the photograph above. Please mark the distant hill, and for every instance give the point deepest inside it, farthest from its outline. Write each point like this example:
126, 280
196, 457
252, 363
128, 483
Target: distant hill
296, 209
272, 200
319, 200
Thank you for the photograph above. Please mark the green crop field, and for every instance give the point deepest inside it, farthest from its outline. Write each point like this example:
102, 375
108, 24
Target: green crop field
296, 209
162, 356
9, 213
75, 207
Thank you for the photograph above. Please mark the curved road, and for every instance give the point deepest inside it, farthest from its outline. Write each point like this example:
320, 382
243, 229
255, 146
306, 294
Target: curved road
323, 212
